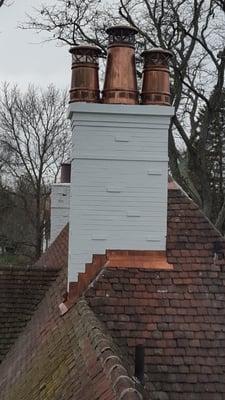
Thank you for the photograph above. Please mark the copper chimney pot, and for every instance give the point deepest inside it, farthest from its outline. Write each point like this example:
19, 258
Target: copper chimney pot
120, 86
65, 173
85, 80
156, 83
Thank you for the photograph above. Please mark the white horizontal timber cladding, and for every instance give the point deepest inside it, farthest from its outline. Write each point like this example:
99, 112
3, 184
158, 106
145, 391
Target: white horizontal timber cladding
118, 180
60, 206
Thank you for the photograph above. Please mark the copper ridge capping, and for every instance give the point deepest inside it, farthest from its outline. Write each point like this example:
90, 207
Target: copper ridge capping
85, 80
156, 83
120, 85
65, 173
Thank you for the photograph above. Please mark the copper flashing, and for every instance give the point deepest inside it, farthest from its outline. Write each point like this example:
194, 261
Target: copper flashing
156, 84
120, 86
148, 259
65, 173
145, 259
85, 80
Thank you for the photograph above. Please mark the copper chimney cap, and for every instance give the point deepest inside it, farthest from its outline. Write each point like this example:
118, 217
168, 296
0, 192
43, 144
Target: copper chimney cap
156, 84
65, 173
123, 35
85, 80
120, 86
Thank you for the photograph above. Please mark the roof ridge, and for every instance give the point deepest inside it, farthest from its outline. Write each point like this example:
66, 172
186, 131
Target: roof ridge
123, 385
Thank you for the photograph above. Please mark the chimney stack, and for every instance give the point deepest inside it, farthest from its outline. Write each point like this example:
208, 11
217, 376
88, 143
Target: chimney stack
156, 84
85, 80
120, 85
65, 173
119, 167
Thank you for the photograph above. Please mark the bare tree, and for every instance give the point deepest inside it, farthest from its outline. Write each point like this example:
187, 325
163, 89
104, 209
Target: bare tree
5, 3
194, 30
35, 137
221, 3
17, 233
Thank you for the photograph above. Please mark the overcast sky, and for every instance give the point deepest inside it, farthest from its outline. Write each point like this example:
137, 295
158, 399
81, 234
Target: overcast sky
22, 58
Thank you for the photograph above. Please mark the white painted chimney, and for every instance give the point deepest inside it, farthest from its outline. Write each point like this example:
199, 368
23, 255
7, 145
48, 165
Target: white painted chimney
119, 180
60, 202
119, 173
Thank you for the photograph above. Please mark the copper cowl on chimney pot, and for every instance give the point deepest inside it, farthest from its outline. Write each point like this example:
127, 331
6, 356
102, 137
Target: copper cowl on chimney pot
85, 80
156, 84
120, 86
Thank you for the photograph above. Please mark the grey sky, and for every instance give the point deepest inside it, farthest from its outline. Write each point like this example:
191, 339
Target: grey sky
21, 60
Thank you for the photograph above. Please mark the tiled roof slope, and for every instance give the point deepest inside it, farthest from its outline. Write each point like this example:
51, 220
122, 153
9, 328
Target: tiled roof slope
22, 289
57, 254
178, 315
64, 358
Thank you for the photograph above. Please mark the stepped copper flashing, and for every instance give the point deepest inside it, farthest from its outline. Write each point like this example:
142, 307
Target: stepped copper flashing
149, 260
156, 84
85, 80
120, 85
65, 173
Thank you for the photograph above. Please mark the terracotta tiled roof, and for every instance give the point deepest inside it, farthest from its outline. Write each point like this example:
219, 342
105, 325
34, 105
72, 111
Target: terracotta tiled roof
22, 288
64, 358
57, 254
176, 314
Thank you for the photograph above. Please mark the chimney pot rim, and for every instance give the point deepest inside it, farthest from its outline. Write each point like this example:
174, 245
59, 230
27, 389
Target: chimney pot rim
157, 50
85, 47
113, 28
